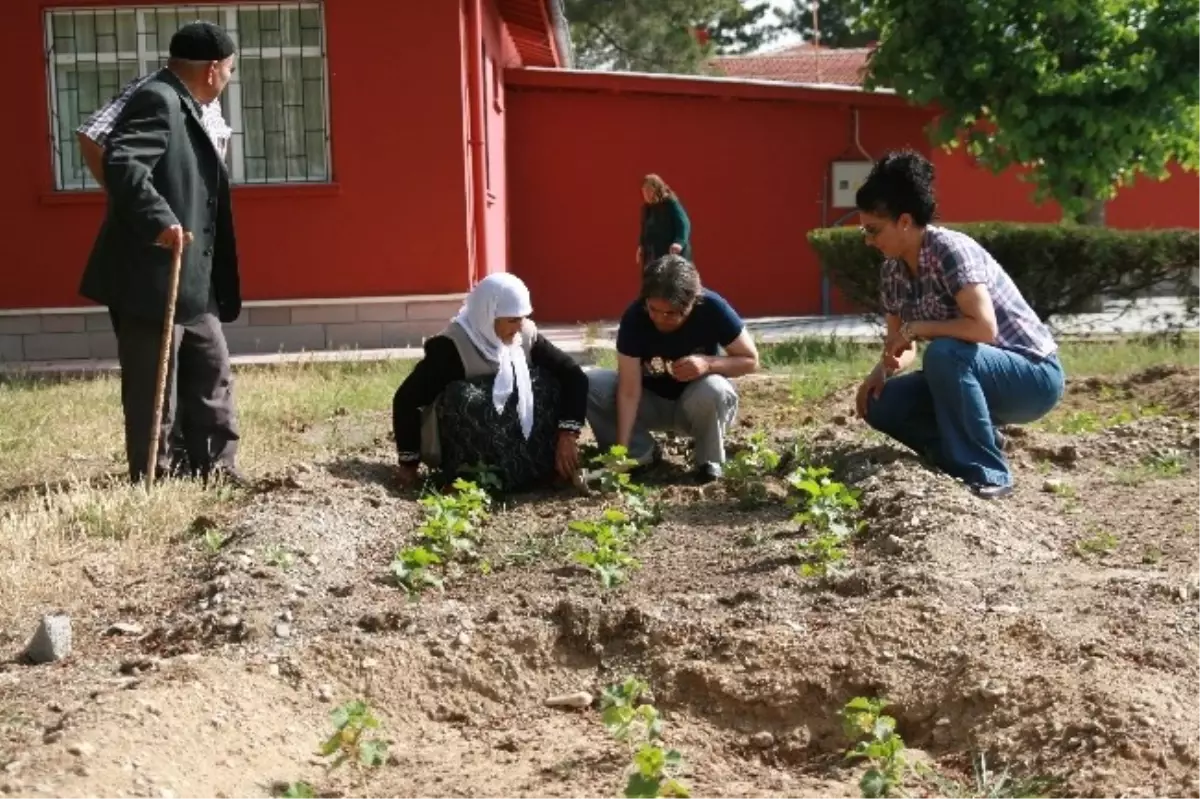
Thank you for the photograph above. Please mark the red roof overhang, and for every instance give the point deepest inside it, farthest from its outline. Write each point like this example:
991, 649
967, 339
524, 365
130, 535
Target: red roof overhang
532, 27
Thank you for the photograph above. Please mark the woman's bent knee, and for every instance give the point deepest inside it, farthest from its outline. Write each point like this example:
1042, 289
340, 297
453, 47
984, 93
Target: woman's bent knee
947, 356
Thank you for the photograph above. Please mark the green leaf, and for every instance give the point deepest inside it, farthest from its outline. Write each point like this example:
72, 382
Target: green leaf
297, 790
674, 788
649, 760
874, 784
641, 787
372, 753
331, 744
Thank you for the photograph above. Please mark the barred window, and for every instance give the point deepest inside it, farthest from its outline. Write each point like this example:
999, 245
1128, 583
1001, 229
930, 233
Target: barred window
276, 105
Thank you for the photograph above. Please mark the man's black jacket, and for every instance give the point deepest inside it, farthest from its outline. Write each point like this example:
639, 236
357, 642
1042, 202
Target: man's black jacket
161, 169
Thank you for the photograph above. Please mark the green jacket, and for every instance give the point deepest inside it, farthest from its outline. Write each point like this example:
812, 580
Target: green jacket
161, 169
663, 224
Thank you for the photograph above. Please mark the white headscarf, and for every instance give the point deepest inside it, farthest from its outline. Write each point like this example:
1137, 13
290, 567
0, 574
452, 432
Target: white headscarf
501, 296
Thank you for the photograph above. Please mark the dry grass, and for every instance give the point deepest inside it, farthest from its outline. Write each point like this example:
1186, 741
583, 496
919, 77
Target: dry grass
64, 546
53, 430
73, 529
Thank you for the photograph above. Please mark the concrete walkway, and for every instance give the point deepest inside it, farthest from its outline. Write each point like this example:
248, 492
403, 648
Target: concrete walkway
1146, 316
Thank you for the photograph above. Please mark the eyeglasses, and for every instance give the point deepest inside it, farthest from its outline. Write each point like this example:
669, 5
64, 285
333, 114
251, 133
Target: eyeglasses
673, 313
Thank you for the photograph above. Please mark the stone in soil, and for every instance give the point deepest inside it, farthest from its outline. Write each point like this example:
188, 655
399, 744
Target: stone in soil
762, 740
576, 700
52, 640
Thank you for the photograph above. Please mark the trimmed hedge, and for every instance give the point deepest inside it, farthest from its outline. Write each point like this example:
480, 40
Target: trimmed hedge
1060, 269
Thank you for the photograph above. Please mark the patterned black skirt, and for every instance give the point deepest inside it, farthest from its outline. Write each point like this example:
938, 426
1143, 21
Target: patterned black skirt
474, 437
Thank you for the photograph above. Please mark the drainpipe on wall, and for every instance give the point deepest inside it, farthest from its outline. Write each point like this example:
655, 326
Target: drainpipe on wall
478, 267
826, 204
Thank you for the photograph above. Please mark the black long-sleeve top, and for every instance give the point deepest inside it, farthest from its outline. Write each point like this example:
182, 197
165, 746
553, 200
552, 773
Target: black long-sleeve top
442, 365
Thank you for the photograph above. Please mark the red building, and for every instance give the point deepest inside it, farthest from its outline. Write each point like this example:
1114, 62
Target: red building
387, 154
368, 152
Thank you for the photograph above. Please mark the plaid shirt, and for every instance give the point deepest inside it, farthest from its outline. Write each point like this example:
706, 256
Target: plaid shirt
100, 124
948, 262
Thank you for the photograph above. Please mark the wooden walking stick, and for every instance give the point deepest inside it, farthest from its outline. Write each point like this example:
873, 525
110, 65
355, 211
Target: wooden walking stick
164, 359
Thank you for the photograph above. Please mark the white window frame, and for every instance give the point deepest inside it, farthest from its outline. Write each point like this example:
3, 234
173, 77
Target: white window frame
231, 100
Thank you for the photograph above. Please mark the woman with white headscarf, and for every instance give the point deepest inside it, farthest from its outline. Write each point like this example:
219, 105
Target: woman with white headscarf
492, 391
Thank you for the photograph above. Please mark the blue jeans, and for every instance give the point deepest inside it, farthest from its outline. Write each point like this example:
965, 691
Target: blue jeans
947, 411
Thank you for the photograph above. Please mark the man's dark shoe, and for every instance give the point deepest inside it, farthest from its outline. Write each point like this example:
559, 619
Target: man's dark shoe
991, 491
708, 473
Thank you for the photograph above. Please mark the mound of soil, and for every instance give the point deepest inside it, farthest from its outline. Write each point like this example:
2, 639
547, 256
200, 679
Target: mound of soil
992, 628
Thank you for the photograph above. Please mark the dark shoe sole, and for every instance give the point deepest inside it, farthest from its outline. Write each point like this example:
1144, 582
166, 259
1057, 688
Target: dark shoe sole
992, 492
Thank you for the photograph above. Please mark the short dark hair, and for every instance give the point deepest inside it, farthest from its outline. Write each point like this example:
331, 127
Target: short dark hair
672, 278
899, 183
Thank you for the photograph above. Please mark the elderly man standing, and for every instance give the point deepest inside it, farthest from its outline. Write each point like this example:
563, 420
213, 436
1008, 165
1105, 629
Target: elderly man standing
92, 135
166, 185
671, 373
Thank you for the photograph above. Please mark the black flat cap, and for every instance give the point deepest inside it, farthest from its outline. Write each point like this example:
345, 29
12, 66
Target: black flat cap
201, 41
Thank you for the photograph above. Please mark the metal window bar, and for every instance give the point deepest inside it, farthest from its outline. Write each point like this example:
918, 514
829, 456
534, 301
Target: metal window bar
277, 104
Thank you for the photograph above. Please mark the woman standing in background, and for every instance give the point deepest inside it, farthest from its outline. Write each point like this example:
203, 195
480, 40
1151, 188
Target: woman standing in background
666, 229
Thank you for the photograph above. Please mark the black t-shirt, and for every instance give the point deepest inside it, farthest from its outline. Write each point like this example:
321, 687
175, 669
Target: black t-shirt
711, 325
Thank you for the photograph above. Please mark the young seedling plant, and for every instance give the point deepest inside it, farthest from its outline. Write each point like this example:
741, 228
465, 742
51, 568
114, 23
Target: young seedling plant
353, 739
875, 739
610, 536
448, 533
613, 535
484, 476
615, 478
744, 472
639, 726
830, 511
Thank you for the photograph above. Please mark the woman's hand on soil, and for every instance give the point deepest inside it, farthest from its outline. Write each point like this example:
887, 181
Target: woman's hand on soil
566, 455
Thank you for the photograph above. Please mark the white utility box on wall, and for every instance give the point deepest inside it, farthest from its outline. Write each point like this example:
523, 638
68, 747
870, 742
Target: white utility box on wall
847, 177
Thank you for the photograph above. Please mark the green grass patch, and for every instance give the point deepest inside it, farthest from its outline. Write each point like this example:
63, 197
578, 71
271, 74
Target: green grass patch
54, 429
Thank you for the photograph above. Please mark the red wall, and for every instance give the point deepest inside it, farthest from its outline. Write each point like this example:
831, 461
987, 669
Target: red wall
392, 223
747, 161
968, 192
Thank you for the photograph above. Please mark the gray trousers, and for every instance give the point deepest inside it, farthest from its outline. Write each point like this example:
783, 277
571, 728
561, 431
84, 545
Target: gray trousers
199, 382
705, 411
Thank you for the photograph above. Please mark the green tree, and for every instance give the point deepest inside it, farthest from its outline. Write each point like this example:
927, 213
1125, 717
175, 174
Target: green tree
674, 36
839, 22
1085, 92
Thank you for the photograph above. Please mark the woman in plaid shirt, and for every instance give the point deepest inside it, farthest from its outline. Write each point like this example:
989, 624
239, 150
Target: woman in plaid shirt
989, 360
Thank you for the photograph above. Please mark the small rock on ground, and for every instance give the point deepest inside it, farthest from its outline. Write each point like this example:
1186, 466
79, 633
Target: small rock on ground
52, 641
576, 700
762, 740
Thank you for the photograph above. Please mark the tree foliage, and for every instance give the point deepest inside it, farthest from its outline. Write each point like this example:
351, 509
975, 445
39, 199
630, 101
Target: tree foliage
1087, 93
675, 36
839, 22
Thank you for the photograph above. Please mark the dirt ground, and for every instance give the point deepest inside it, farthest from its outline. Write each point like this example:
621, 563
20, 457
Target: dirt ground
1055, 632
